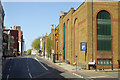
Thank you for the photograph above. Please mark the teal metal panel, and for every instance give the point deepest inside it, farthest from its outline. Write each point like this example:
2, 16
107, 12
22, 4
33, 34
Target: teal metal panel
104, 38
53, 43
64, 44
104, 61
57, 51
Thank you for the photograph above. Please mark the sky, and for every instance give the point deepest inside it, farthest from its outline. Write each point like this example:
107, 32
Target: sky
35, 18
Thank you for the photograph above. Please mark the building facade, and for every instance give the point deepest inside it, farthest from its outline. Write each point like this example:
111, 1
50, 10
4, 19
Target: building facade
17, 44
8, 43
97, 25
1, 27
1, 36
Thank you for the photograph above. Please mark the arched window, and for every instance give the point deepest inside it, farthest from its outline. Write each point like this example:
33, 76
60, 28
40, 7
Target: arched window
103, 31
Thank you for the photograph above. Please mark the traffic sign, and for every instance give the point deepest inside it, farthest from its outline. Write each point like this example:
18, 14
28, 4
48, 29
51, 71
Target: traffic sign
83, 46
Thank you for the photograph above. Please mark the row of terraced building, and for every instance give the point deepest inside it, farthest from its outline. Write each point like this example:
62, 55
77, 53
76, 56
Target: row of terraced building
95, 23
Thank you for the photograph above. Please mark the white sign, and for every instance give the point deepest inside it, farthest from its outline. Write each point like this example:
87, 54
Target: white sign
52, 51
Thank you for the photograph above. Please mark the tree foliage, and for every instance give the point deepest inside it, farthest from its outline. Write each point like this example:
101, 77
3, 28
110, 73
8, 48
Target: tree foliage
36, 44
28, 51
49, 46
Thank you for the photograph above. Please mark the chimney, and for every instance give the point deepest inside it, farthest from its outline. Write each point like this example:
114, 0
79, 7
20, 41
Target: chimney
18, 28
10, 28
52, 28
14, 27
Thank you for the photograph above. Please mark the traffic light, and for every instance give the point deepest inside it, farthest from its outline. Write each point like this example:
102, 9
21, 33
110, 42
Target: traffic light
56, 34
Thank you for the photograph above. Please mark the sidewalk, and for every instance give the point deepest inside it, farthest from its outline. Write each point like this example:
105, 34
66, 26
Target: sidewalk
62, 65
106, 73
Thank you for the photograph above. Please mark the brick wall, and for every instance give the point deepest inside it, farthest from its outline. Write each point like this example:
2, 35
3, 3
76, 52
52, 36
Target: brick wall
81, 27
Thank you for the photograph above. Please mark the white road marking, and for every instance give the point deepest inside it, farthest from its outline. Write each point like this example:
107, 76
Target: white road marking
97, 77
27, 66
78, 75
30, 75
28, 69
41, 64
41, 75
7, 77
9, 68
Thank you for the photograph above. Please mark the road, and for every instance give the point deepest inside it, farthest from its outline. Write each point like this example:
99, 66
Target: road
30, 67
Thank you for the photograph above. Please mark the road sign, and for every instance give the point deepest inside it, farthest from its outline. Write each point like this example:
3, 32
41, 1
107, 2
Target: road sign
41, 48
83, 46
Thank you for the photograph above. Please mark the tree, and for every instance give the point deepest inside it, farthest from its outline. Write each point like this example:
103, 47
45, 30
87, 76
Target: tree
28, 51
49, 46
36, 44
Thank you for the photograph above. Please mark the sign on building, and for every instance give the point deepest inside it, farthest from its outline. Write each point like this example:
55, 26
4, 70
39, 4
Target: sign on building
83, 46
52, 51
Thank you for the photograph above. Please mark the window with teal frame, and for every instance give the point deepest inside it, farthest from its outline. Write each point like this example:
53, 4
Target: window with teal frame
64, 44
104, 38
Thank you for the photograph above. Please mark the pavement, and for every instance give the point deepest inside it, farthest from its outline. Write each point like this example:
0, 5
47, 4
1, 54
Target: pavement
88, 74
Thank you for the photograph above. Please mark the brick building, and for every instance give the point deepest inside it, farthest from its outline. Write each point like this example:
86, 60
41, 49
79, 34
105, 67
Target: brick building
14, 33
18, 47
96, 24
20, 39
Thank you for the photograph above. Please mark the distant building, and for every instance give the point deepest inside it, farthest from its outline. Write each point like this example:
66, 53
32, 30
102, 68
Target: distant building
14, 33
20, 39
18, 47
34, 52
8, 43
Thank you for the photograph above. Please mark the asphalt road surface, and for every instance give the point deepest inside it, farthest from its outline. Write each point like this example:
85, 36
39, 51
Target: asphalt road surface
32, 68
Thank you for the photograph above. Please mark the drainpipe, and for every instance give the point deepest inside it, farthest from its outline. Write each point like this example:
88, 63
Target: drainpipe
92, 30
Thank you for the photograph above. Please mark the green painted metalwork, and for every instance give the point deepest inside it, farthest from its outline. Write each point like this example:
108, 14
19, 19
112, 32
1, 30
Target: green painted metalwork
55, 47
53, 43
57, 51
104, 38
104, 61
64, 44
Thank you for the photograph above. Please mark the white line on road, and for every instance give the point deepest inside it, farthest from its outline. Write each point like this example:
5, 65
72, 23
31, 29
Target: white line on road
97, 77
41, 64
28, 69
9, 69
78, 75
7, 77
27, 66
30, 75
